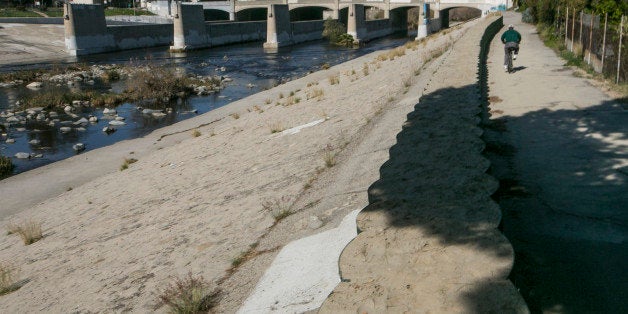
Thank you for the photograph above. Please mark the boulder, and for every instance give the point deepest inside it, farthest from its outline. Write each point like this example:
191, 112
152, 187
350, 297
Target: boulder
81, 121
158, 114
22, 155
68, 108
109, 111
34, 142
10, 141
65, 129
35, 85
78, 147
108, 130
119, 118
93, 119
116, 123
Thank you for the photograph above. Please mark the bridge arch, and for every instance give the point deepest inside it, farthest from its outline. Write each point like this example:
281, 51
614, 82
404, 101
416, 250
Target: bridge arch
307, 13
216, 15
252, 14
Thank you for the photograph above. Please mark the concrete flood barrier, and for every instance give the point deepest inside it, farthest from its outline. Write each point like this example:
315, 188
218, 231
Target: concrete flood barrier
86, 32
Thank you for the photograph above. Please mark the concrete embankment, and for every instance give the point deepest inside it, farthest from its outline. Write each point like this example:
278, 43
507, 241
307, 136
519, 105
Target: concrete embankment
197, 204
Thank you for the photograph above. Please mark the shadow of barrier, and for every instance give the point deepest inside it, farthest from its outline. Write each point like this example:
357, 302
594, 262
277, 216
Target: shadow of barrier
428, 240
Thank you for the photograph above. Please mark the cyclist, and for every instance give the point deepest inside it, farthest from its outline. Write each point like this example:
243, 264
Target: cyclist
511, 39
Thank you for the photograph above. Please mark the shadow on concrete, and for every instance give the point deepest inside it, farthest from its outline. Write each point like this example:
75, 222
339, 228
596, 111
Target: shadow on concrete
435, 180
564, 197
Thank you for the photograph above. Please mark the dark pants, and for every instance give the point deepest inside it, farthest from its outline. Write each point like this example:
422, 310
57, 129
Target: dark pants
510, 46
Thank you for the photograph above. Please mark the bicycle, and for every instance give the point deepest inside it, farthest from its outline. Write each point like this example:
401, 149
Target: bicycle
509, 59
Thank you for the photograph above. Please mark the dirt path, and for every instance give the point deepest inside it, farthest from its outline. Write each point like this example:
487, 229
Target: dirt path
560, 149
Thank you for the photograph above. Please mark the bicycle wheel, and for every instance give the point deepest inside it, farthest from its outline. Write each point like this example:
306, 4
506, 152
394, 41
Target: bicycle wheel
509, 61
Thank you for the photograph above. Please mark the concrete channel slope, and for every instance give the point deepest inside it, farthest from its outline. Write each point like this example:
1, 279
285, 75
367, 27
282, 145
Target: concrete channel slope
428, 241
561, 153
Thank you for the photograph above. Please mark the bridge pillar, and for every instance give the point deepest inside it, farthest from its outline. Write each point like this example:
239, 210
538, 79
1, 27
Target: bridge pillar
356, 23
424, 19
278, 28
85, 29
189, 28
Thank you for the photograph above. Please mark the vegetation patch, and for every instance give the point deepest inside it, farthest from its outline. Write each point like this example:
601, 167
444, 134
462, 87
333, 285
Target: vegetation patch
127, 162
6, 167
29, 231
8, 279
191, 294
279, 208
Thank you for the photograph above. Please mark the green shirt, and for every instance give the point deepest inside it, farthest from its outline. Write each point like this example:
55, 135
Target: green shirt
510, 36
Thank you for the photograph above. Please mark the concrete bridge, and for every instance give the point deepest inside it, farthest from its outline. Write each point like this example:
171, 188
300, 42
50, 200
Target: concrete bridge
281, 22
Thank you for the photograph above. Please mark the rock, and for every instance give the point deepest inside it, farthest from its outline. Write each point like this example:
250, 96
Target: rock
158, 114
68, 108
108, 130
22, 155
41, 117
35, 85
81, 129
34, 142
37, 155
53, 114
73, 115
13, 119
77, 103
81, 121
78, 147
116, 123
20, 129
109, 111
65, 129
10, 141
227, 79
93, 119
148, 111
119, 118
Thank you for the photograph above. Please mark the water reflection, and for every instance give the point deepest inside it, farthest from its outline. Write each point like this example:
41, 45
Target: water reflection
251, 68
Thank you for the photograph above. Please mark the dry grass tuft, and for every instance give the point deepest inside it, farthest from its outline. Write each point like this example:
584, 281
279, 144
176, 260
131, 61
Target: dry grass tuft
334, 79
278, 207
8, 276
365, 69
196, 133
235, 115
329, 156
188, 295
276, 127
317, 93
29, 230
126, 163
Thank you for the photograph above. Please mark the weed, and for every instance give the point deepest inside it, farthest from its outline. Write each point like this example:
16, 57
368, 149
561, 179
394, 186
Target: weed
235, 116
6, 166
196, 133
188, 295
329, 156
29, 231
291, 94
280, 95
268, 101
365, 69
8, 276
334, 79
316, 93
127, 162
325, 66
276, 127
278, 207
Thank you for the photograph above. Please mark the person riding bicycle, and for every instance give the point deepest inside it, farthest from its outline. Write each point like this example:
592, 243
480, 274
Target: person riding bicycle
511, 39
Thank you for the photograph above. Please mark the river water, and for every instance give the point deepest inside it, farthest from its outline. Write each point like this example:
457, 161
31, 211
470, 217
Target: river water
251, 68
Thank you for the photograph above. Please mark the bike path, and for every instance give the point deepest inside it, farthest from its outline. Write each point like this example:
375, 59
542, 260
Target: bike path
560, 150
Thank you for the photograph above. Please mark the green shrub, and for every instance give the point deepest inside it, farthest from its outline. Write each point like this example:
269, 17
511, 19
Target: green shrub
6, 167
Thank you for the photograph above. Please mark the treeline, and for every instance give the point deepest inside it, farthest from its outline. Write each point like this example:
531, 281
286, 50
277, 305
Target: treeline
544, 11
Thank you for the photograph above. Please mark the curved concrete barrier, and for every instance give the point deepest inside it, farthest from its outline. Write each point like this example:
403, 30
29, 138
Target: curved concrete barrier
428, 242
